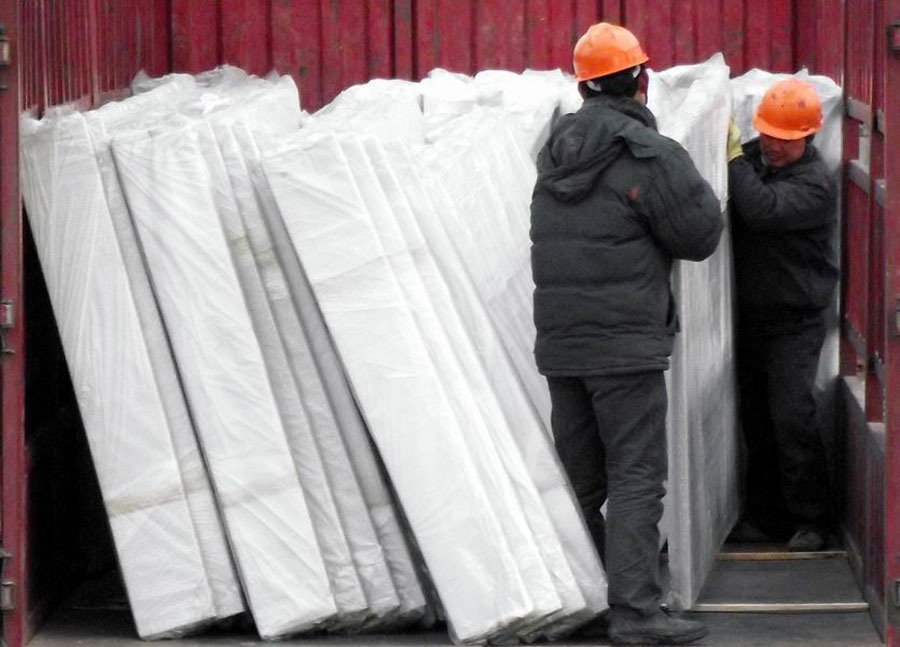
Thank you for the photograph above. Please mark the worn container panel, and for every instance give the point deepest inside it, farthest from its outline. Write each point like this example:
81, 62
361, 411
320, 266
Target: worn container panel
90, 49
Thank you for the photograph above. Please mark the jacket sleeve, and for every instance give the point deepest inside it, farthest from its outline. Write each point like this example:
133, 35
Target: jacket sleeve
683, 211
803, 201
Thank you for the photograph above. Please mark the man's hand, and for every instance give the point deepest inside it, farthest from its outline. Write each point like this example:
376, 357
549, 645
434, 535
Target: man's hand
733, 149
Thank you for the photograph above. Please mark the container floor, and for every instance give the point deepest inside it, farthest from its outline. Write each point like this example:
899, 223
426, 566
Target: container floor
95, 617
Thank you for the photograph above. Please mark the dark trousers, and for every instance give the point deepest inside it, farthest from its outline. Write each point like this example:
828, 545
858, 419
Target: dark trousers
786, 481
610, 433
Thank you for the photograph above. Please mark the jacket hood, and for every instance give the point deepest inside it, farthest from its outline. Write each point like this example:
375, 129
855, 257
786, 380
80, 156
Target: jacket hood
584, 144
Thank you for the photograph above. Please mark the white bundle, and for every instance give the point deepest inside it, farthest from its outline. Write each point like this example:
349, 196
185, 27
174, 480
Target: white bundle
299, 304
292, 355
141, 479
172, 201
405, 406
216, 556
692, 104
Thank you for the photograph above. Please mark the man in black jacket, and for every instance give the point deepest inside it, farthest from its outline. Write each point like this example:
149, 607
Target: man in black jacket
783, 200
614, 203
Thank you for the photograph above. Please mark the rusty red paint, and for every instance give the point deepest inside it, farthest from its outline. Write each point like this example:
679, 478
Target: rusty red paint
891, 79
611, 11
378, 38
710, 28
781, 36
636, 16
562, 35
685, 32
587, 13
757, 25
13, 466
196, 35
403, 39
537, 37
246, 34
327, 44
733, 36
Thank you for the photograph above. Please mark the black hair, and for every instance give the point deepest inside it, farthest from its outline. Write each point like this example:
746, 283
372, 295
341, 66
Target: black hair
620, 84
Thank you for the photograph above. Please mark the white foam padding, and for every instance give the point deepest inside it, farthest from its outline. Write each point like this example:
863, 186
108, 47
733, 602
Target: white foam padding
489, 178
171, 198
326, 522
524, 446
216, 555
112, 373
441, 338
404, 403
299, 318
365, 551
692, 105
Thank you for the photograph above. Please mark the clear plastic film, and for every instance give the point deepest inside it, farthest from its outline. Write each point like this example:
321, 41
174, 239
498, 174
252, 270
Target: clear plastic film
692, 104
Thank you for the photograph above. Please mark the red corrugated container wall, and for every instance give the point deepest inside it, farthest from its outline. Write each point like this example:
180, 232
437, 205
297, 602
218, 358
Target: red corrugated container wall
328, 45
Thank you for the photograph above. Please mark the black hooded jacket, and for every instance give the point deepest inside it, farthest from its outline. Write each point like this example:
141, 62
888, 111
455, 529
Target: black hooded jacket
784, 225
614, 203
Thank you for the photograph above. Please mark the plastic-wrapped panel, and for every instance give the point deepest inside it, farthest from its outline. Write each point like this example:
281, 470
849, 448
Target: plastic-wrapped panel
109, 361
216, 555
171, 200
394, 380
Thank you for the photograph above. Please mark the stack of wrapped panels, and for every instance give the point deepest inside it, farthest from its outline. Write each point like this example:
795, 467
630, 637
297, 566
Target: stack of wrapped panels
143, 470
290, 293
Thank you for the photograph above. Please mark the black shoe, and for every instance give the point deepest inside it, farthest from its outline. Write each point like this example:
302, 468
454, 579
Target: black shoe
807, 540
595, 628
630, 627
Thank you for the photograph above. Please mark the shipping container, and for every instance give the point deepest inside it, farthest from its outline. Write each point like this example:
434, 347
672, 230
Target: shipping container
85, 52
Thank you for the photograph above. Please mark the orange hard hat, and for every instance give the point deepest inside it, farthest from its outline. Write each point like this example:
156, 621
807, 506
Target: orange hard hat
790, 109
606, 49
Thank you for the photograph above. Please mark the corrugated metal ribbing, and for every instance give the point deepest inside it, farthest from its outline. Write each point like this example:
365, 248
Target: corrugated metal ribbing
860, 41
92, 48
85, 51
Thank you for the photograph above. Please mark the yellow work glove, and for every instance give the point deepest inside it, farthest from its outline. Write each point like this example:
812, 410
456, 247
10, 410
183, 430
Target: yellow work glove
734, 149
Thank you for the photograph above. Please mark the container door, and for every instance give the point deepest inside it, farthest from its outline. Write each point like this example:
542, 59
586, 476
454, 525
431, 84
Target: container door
890, 124
12, 340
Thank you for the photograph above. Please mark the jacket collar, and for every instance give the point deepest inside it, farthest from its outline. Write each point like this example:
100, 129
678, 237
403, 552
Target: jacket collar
625, 105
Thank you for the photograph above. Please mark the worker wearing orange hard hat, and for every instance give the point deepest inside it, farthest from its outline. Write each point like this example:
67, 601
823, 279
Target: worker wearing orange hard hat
614, 203
783, 201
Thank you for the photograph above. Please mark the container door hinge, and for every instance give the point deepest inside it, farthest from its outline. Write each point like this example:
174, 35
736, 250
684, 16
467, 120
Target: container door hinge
7, 595
895, 320
7, 321
7, 587
893, 37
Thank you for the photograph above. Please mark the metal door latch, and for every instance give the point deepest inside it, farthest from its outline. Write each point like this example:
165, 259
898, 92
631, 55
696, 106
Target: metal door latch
7, 321
7, 587
896, 318
893, 37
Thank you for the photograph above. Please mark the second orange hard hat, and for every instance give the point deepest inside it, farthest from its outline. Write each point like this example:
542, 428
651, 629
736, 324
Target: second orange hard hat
606, 49
790, 109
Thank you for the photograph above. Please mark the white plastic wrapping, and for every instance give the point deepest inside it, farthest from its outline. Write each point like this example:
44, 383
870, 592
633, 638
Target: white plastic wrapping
405, 406
170, 197
332, 542
692, 104
112, 373
437, 333
579, 579
278, 320
299, 318
216, 555
489, 179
